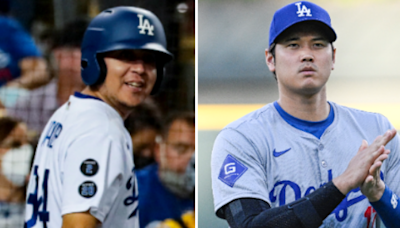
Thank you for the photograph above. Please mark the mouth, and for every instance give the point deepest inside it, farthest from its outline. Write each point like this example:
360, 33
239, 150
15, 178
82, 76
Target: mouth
136, 86
307, 70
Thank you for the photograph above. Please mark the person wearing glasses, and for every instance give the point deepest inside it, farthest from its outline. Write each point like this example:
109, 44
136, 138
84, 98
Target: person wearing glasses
167, 187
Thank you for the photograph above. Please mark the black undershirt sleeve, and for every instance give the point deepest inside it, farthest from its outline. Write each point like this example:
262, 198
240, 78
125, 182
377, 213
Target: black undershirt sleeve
307, 212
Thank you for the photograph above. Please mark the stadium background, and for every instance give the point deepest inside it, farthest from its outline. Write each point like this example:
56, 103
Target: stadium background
233, 78
42, 18
177, 93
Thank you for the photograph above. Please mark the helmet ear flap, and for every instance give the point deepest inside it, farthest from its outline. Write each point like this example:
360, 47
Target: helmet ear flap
160, 72
103, 69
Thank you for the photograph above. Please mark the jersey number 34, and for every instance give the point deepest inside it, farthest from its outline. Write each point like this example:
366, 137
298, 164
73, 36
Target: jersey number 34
37, 202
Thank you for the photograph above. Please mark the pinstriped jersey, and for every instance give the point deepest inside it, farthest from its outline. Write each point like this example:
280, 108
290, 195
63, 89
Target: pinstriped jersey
262, 156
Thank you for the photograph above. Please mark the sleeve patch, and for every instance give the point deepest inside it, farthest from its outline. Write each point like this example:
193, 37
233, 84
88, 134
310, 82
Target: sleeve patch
89, 167
231, 170
87, 189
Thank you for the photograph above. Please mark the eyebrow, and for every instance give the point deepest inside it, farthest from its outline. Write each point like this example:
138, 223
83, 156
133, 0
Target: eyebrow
298, 38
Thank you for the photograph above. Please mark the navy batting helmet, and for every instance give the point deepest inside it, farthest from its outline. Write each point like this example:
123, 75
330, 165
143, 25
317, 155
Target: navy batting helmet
122, 28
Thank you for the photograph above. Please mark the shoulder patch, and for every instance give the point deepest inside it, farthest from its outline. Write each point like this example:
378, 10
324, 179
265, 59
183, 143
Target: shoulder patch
231, 170
87, 189
89, 167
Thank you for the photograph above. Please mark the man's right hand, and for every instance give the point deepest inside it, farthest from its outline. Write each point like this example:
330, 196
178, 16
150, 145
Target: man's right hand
360, 164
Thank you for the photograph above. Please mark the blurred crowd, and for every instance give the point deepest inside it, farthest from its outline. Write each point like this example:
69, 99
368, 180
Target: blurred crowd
34, 84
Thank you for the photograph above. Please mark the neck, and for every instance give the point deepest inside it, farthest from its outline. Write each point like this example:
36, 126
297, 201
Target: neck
306, 107
123, 112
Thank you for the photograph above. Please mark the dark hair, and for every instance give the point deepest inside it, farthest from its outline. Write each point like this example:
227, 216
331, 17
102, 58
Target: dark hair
4, 6
144, 116
71, 34
7, 124
187, 116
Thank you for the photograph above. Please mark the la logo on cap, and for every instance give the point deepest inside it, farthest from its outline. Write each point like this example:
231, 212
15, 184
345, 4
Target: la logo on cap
145, 25
302, 10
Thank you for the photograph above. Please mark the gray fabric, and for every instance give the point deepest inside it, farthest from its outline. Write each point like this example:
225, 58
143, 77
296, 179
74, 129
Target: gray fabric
310, 162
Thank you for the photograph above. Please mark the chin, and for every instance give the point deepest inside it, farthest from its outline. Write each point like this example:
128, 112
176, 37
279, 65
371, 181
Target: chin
134, 98
311, 90
133, 103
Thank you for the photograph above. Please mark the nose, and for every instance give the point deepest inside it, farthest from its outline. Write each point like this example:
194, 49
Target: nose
138, 66
307, 55
308, 59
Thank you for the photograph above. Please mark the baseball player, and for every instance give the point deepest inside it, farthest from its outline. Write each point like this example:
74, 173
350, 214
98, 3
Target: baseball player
82, 174
297, 162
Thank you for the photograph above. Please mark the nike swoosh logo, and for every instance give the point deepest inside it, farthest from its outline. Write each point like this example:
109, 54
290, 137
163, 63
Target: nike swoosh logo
279, 153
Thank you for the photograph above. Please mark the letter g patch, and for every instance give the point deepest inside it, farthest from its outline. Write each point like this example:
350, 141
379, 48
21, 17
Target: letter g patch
231, 170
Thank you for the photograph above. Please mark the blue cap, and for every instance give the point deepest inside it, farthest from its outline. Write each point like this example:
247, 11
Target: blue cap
298, 12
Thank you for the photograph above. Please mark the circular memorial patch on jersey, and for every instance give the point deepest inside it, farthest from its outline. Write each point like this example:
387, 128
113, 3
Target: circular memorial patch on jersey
89, 167
87, 189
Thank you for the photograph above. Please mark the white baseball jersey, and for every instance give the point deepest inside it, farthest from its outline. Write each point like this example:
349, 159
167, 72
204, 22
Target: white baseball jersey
262, 156
83, 162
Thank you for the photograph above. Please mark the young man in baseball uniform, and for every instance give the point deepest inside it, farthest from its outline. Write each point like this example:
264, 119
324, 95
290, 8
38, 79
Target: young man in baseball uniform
297, 162
82, 174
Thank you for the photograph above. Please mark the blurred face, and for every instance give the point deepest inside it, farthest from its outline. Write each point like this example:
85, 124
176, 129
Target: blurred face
15, 139
68, 60
176, 151
303, 62
131, 75
67, 65
14, 170
144, 143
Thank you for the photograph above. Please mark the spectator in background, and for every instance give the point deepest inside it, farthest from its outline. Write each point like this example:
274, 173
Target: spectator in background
15, 161
144, 125
167, 187
2, 110
37, 108
21, 64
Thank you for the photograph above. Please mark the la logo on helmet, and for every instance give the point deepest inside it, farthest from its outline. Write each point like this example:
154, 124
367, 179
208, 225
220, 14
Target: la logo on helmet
302, 10
145, 25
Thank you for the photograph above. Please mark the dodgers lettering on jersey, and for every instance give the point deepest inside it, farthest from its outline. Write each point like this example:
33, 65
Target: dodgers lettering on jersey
83, 163
394, 201
261, 156
131, 185
52, 133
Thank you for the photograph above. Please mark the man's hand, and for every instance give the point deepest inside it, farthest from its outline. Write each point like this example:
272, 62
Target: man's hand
363, 162
373, 186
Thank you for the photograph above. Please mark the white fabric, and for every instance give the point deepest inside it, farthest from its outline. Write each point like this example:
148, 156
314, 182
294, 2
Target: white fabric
79, 130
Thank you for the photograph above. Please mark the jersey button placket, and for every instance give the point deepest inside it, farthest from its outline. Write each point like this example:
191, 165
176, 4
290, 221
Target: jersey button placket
324, 164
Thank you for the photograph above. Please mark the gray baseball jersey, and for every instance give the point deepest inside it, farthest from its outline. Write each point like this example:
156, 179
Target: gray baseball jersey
262, 156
